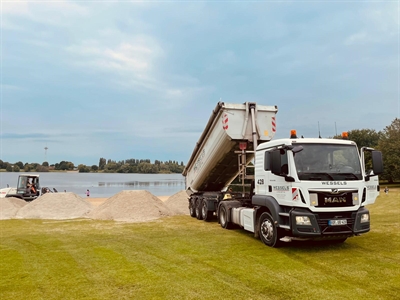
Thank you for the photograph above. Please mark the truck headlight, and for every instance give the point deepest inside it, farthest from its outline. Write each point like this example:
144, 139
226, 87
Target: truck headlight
303, 220
364, 218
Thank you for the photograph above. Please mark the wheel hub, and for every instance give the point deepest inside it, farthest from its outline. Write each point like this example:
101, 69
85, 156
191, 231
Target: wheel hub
267, 230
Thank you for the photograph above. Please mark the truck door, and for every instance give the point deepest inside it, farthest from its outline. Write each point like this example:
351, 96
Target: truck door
281, 189
262, 170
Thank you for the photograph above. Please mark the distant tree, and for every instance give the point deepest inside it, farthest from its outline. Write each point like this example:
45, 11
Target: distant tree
17, 168
9, 168
1, 164
127, 168
64, 165
20, 164
45, 164
389, 144
102, 163
111, 167
28, 167
94, 168
83, 168
40, 168
363, 137
147, 168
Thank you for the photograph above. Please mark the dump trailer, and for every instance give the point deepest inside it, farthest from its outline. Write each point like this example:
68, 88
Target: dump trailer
302, 188
215, 162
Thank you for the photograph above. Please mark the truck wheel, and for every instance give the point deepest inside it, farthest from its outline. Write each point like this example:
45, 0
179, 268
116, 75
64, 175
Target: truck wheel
223, 217
206, 215
199, 202
192, 211
269, 233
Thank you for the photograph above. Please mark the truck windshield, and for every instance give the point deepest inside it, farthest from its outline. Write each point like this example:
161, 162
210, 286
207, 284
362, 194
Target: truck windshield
328, 162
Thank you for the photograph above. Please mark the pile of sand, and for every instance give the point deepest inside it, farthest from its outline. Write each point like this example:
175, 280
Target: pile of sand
131, 206
126, 206
57, 206
9, 207
178, 203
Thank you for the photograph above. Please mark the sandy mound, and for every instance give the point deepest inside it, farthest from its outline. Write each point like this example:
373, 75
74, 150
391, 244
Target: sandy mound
9, 207
131, 206
55, 206
178, 203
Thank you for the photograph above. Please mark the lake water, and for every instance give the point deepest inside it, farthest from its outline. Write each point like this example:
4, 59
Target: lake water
103, 185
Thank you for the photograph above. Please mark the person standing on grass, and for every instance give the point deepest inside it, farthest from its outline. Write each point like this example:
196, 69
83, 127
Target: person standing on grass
386, 190
87, 193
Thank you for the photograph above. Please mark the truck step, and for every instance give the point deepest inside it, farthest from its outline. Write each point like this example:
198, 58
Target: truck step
284, 226
283, 214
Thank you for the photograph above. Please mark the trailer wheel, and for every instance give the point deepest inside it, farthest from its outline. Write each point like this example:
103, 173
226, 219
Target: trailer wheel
223, 217
192, 210
206, 215
199, 202
269, 233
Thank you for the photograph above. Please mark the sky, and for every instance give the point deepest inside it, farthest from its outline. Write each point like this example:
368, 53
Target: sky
139, 79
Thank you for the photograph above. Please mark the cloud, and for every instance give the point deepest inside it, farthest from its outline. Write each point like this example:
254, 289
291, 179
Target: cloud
134, 58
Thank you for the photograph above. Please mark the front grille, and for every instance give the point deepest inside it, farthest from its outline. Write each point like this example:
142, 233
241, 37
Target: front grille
341, 199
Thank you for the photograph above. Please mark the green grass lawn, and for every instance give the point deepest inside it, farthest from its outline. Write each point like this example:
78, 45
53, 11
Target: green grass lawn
183, 258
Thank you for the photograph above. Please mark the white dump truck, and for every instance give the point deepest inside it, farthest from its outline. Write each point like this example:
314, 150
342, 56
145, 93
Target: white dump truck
302, 188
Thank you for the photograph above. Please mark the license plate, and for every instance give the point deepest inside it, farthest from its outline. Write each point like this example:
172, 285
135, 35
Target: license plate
337, 222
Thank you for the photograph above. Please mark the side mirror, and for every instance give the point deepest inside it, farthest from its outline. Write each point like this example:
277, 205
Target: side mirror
297, 149
377, 162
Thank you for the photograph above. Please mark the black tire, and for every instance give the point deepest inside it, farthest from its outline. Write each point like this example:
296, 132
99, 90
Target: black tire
205, 214
223, 217
269, 233
199, 202
192, 205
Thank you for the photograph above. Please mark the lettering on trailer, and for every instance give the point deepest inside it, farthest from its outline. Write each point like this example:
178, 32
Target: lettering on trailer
295, 194
199, 161
280, 188
371, 187
334, 183
225, 121
335, 199
273, 124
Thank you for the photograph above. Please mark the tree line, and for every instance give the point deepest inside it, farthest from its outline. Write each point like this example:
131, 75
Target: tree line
106, 166
387, 141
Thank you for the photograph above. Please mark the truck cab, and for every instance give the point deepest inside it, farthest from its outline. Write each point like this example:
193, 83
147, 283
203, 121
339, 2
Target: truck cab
315, 188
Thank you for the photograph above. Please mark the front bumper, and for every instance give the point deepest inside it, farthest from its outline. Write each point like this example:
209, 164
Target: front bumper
320, 224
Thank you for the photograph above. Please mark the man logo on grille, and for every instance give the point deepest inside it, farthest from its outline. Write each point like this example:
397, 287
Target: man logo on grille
335, 191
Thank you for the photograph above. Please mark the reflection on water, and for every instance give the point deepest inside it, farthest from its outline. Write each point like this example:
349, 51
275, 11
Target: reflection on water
104, 184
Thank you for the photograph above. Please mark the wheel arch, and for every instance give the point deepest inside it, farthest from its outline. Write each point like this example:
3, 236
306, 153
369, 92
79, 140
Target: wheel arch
267, 204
